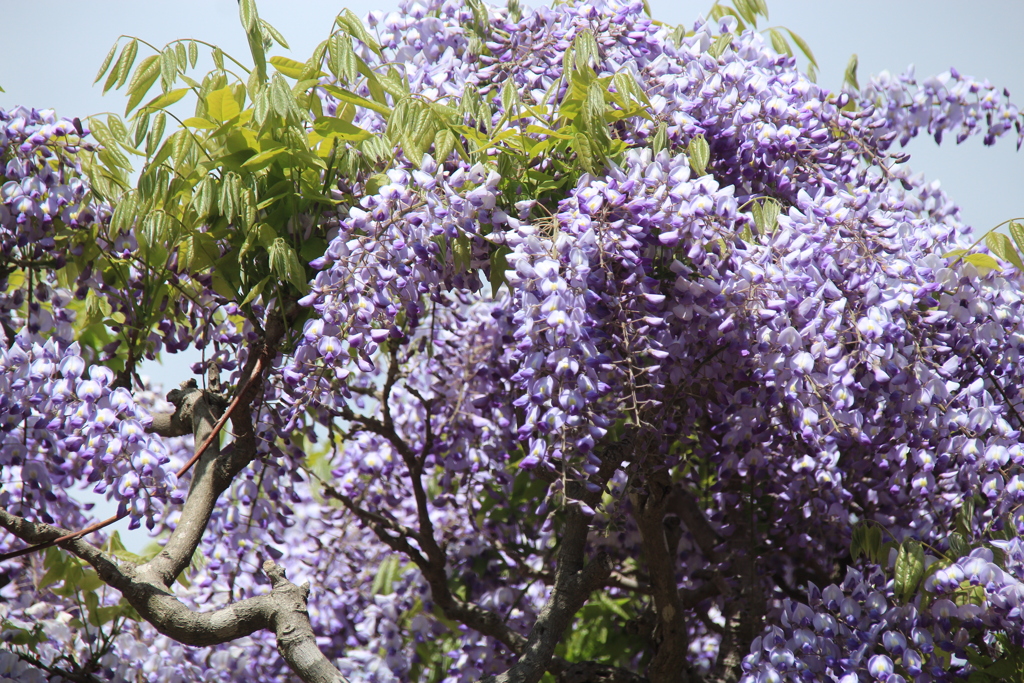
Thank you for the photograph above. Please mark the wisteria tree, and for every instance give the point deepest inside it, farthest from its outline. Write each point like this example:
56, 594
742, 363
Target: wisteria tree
551, 344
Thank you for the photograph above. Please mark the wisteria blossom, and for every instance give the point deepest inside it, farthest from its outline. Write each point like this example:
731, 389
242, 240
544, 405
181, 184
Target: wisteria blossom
750, 417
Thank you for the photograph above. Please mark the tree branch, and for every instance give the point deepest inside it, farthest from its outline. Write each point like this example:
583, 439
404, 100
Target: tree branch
194, 408
216, 470
669, 664
574, 580
744, 608
145, 587
283, 611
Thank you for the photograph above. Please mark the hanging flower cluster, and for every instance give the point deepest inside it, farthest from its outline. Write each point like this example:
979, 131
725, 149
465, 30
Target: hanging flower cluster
748, 279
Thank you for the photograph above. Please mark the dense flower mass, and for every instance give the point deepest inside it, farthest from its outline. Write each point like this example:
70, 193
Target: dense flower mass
723, 335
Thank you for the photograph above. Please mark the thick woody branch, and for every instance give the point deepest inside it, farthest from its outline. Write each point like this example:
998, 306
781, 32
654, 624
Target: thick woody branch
744, 605
283, 611
192, 407
649, 506
215, 469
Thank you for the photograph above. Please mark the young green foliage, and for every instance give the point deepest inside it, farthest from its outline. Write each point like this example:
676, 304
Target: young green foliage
234, 192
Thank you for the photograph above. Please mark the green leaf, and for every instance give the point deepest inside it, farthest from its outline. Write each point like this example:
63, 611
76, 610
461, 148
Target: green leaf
351, 22
193, 53
124, 214
462, 253
165, 100
181, 144
766, 215
342, 59
117, 128
850, 76
747, 10
284, 262
142, 80
721, 43
263, 159
52, 576
958, 546
352, 98
387, 573
857, 539
229, 200
114, 71
247, 13
282, 99
156, 133
699, 153
444, 144
593, 107
1001, 245
125, 62
508, 97
289, 67
965, 517
92, 605
412, 135
678, 35
802, 44
375, 182
779, 43
196, 122
499, 264
205, 197
329, 126
180, 55
1017, 232
106, 63
586, 51
660, 140
259, 57
255, 291
873, 543
909, 569
274, 33
584, 152
221, 105
141, 127
90, 581
758, 215
983, 262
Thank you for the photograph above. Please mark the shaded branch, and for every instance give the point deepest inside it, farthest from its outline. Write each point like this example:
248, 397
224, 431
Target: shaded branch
575, 580
683, 503
671, 641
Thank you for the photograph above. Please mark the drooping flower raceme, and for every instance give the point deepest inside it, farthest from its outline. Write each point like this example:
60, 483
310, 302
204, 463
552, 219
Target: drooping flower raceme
778, 330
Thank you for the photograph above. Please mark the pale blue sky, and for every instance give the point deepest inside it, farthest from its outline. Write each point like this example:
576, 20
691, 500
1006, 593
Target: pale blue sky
51, 56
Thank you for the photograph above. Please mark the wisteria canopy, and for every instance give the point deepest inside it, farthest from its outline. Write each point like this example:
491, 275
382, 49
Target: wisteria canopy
537, 344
